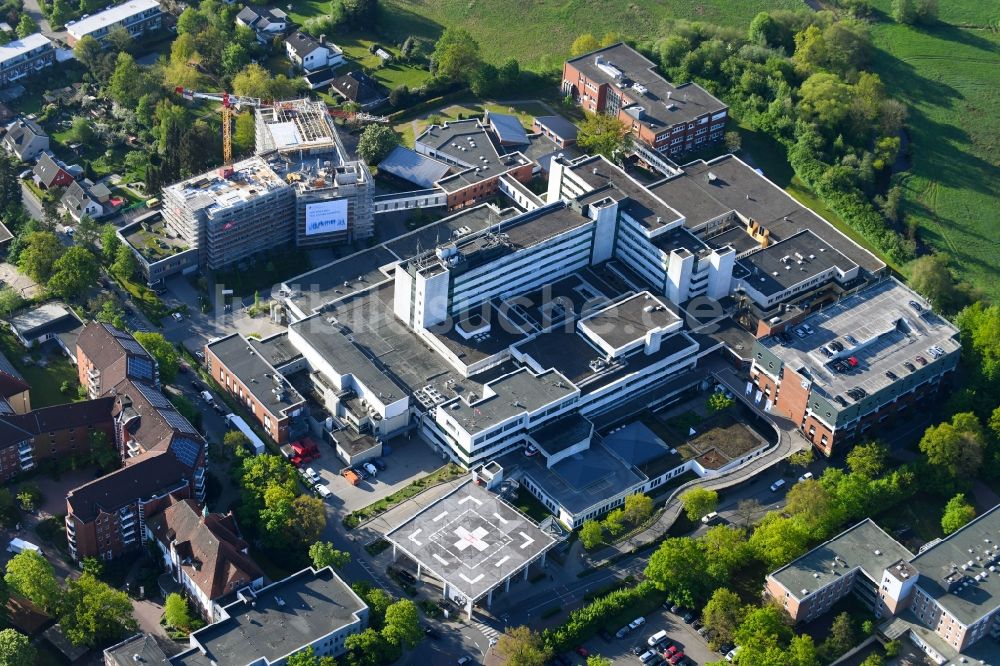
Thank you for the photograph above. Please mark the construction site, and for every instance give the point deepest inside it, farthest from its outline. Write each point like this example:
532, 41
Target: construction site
301, 187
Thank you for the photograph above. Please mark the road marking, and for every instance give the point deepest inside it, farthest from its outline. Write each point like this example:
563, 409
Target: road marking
471, 581
413, 537
470, 499
439, 516
527, 540
486, 630
440, 559
502, 560
501, 519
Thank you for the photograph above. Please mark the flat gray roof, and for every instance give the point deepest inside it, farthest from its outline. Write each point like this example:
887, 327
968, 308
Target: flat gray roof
965, 555
471, 539
559, 126
644, 205
579, 481
736, 186
779, 267
864, 545
889, 333
631, 319
689, 100
256, 373
284, 617
519, 392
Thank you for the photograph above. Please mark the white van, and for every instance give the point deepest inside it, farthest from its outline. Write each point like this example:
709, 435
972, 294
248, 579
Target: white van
733, 653
20, 545
371, 469
656, 638
776, 485
207, 397
323, 491
710, 518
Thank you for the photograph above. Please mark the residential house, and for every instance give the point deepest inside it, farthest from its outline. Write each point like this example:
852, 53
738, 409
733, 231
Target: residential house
136, 16
205, 554
25, 139
49, 321
310, 54
105, 356
50, 172
86, 198
267, 22
25, 57
50, 433
361, 89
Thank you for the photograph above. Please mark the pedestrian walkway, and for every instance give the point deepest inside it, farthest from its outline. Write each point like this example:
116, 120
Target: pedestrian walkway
486, 630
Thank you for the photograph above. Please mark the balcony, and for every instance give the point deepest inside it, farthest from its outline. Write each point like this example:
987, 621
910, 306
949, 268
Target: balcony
93, 373
70, 528
133, 448
25, 447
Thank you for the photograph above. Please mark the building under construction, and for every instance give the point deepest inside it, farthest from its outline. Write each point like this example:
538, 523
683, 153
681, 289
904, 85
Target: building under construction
333, 193
301, 187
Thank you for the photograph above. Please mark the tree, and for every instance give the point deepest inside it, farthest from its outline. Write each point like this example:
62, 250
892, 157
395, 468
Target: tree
802, 651
723, 614
931, 276
88, 52
801, 458
376, 142
162, 351
254, 81
88, 231
15, 647
957, 512
603, 135
366, 649
585, 43
30, 575
244, 137
813, 503
94, 613
868, 460
125, 265
456, 54
41, 249
236, 443
176, 612
746, 509
614, 522
277, 515
734, 141
874, 659
764, 30
776, 540
638, 507
826, 99
522, 646
119, 39
591, 534
102, 451
112, 312
310, 518
93, 566
59, 13
719, 401
10, 300
26, 26
110, 242
769, 620
842, 637
323, 554
402, 624
124, 86
598, 660
699, 501
725, 550
360, 13
957, 447
378, 601
73, 273
678, 567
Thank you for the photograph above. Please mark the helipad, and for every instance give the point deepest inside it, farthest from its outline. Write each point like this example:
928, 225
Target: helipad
472, 540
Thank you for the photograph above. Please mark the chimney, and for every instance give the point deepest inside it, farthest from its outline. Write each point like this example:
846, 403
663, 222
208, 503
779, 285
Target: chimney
322, 40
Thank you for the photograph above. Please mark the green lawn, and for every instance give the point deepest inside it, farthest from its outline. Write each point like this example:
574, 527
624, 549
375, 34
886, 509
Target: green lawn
541, 32
45, 381
949, 78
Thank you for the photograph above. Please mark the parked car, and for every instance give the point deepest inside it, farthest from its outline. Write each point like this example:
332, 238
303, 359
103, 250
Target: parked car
323, 491
464, 660
177, 316
405, 575
371, 469
530, 450
623, 632
688, 617
777, 485
806, 476
378, 462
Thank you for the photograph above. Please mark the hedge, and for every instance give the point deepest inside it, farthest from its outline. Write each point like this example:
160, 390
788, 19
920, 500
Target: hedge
584, 622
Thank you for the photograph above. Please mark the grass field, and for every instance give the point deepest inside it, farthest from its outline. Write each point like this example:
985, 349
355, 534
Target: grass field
545, 29
949, 77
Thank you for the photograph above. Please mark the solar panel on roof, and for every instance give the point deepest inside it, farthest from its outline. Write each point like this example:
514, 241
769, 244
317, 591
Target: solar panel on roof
186, 450
155, 398
175, 420
132, 346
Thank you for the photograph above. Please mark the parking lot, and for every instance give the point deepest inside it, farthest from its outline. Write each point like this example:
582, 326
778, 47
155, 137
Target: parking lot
410, 459
681, 634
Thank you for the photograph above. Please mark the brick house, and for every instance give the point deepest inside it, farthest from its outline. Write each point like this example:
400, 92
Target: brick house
621, 82
105, 356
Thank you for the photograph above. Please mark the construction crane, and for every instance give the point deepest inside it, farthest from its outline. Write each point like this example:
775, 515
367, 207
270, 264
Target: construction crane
229, 103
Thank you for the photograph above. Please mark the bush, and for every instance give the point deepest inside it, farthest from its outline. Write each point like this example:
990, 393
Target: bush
584, 622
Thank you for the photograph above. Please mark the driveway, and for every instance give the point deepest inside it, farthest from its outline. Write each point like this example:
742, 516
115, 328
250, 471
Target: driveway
18, 281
